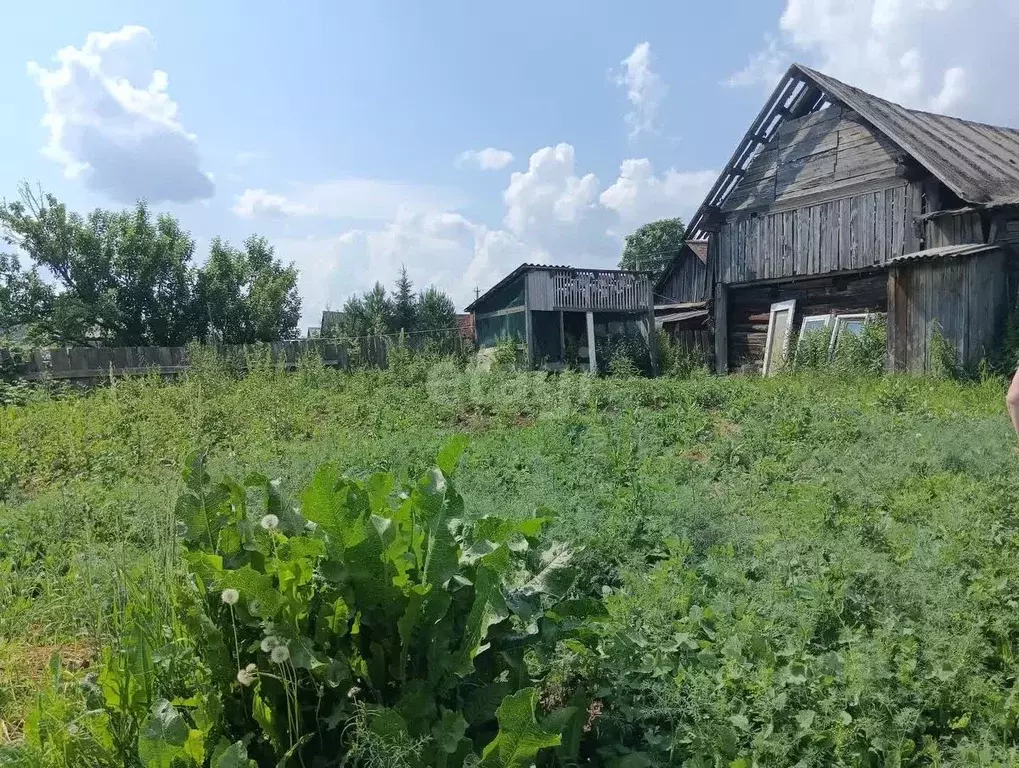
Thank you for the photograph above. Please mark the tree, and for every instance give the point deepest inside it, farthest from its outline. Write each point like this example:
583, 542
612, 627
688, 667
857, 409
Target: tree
127, 278
246, 295
653, 246
404, 305
24, 297
378, 310
436, 311
120, 277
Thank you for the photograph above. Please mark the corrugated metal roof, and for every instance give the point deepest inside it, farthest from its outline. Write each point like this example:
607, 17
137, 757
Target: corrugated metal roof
946, 251
979, 162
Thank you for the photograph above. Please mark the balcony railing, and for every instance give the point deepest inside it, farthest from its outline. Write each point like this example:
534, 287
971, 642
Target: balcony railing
581, 289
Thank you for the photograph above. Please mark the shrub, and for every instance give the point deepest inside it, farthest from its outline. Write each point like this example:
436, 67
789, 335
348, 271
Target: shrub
368, 622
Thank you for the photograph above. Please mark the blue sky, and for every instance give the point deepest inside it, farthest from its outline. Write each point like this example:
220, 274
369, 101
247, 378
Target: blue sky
351, 134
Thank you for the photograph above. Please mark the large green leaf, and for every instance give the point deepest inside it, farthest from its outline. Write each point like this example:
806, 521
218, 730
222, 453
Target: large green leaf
520, 737
338, 506
450, 453
555, 577
448, 732
489, 609
163, 736
233, 756
254, 587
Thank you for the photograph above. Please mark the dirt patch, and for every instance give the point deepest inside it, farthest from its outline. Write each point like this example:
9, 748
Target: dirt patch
726, 428
698, 457
31, 663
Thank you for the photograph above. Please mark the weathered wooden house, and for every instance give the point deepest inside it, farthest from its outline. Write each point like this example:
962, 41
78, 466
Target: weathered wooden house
562, 315
682, 296
838, 207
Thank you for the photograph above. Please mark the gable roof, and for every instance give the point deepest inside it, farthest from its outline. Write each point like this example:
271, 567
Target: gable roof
978, 162
699, 248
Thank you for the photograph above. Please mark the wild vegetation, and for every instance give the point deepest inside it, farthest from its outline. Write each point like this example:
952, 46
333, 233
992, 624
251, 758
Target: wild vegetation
814, 569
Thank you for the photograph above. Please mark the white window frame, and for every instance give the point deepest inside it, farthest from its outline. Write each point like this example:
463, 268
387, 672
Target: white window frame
769, 345
827, 323
839, 325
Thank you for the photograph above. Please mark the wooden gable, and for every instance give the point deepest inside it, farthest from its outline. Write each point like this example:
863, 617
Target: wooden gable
820, 154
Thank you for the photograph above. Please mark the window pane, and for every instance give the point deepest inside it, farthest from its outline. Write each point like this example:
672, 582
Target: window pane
813, 325
854, 327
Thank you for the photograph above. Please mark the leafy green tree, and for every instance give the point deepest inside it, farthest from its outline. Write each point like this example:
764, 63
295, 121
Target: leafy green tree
404, 304
653, 246
25, 298
247, 295
127, 278
121, 278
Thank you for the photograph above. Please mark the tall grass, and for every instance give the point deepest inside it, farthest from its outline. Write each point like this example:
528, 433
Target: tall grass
856, 527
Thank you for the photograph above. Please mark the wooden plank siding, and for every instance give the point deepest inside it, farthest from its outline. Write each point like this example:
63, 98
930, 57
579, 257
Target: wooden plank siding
852, 233
749, 306
688, 280
958, 229
820, 153
967, 297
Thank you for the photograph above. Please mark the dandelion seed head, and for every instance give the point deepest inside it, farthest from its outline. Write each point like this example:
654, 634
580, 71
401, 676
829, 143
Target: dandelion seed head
230, 596
247, 675
280, 654
270, 522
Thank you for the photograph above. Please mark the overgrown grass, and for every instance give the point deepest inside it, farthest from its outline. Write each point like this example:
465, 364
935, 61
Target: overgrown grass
811, 569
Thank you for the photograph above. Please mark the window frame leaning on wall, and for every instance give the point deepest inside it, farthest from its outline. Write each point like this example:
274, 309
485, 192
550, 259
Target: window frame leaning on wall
778, 308
839, 323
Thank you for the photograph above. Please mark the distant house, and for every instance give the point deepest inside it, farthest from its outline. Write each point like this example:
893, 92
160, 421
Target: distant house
561, 315
330, 325
839, 207
682, 294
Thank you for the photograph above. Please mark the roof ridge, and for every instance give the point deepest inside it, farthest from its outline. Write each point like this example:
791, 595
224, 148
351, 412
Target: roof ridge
817, 73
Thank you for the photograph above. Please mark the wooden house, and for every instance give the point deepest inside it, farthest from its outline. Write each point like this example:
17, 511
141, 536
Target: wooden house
682, 295
562, 315
838, 207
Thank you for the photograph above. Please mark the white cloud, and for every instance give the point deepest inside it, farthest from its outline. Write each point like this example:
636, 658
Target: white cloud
639, 196
112, 123
487, 159
553, 207
645, 90
374, 199
443, 249
554, 214
941, 55
262, 204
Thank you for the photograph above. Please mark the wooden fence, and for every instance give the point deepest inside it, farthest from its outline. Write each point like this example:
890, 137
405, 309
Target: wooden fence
85, 364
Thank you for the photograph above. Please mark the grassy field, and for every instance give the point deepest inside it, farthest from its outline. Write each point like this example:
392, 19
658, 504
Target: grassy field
805, 570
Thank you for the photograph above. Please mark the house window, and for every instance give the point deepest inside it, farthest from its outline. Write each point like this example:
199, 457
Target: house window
780, 326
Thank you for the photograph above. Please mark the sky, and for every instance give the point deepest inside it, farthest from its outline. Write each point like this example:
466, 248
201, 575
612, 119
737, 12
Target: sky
459, 139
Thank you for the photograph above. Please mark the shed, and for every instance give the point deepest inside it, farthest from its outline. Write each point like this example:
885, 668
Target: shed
562, 316
832, 211
682, 300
